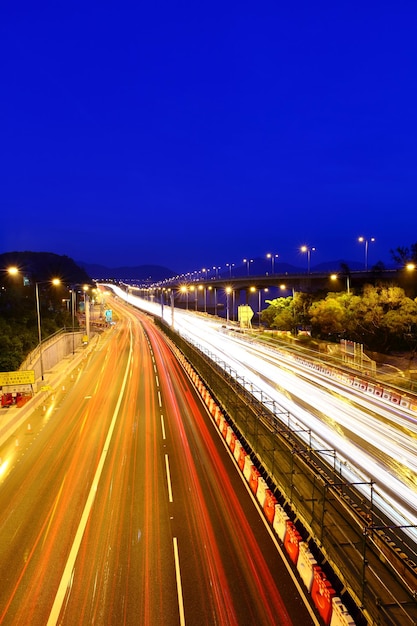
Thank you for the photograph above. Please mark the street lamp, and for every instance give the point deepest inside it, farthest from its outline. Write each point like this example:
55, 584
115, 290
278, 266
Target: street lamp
248, 262
228, 292
184, 289
366, 242
230, 266
272, 257
335, 277
309, 251
254, 290
55, 282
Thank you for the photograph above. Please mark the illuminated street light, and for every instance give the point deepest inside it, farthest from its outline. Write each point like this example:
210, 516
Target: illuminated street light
228, 292
309, 251
55, 282
272, 257
248, 262
366, 242
230, 266
335, 277
184, 289
254, 290
13, 270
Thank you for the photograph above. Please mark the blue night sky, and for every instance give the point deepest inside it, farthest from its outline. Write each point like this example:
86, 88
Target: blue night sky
189, 135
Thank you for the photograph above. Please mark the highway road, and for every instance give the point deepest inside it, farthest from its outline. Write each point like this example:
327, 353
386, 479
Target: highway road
121, 504
374, 442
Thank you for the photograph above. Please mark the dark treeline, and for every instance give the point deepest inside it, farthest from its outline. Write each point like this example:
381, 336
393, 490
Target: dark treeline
18, 312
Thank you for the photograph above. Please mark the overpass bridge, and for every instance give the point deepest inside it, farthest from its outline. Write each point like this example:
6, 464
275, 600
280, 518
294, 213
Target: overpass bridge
218, 293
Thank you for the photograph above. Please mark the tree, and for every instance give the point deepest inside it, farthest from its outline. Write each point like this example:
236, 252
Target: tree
403, 255
329, 316
279, 314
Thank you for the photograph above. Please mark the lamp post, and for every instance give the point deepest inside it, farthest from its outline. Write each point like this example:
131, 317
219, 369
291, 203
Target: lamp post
366, 242
184, 289
248, 262
228, 292
272, 256
230, 266
55, 281
309, 251
254, 290
335, 277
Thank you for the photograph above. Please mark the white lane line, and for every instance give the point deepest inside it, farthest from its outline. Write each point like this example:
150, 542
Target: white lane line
159, 399
168, 478
179, 585
68, 571
163, 427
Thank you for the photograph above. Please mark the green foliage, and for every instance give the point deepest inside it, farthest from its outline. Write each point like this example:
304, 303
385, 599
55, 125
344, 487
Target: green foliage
382, 317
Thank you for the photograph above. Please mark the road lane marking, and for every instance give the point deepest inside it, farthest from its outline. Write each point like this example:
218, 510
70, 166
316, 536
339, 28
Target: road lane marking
163, 427
179, 585
168, 478
66, 580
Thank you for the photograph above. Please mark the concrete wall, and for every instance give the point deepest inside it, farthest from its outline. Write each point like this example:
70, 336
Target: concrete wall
54, 350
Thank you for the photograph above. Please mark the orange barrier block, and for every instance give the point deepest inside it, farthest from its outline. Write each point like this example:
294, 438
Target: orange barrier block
224, 429
292, 541
232, 442
254, 479
242, 458
229, 434
269, 506
322, 594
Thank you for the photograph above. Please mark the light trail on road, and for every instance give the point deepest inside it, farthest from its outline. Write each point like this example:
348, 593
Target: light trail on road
373, 442
92, 533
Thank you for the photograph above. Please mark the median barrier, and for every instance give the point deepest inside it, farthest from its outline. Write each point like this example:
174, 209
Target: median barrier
404, 403
215, 412
413, 406
253, 479
322, 594
247, 467
378, 391
305, 564
340, 614
222, 420
224, 429
269, 506
229, 434
280, 522
261, 490
218, 415
360, 384
370, 388
237, 450
232, 442
395, 398
292, 541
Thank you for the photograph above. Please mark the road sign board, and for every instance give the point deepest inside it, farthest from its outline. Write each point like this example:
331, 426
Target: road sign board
20, 377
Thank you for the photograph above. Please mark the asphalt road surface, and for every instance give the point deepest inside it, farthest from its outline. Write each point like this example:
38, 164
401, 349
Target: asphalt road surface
121, 504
